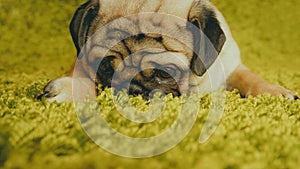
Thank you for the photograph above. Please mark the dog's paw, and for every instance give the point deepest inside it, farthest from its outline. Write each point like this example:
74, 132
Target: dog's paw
67, 89
275, 90
59, 90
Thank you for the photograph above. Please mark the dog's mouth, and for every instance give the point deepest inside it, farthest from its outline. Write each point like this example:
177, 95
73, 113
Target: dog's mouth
147, 87
144, 84
136, 88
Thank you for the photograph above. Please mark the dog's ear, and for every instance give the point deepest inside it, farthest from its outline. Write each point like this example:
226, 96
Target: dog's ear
81, 22
209, 37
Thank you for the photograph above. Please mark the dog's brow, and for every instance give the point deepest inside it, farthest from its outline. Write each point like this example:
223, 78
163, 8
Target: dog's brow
144, 53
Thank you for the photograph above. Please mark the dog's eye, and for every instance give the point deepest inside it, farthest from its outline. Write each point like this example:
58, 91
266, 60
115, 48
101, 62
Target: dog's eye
166, 72
106, 64
106, 71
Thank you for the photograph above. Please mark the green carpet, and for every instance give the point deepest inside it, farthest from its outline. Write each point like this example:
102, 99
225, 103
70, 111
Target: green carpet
261, 132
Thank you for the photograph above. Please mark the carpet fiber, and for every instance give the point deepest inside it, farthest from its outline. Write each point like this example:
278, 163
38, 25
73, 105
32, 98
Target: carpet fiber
260, 132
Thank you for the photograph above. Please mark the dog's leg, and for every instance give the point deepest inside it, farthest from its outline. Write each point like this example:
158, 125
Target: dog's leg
67, 89
249, 83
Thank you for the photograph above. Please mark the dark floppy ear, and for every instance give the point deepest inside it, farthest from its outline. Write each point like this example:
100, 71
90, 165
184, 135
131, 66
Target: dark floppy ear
209, 38
81, 22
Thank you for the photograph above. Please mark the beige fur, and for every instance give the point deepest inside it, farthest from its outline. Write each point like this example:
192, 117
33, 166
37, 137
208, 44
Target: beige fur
165, 19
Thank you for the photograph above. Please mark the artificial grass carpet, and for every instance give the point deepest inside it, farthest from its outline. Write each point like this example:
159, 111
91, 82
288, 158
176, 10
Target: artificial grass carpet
254, 133
260, 132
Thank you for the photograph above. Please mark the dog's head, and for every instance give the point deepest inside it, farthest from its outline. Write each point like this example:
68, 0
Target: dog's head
146, 51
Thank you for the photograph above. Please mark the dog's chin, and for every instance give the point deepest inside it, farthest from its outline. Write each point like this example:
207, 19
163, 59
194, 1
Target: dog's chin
149, 93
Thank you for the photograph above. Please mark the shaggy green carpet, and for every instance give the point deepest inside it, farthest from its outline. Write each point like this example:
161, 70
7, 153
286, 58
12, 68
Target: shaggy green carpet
261, 132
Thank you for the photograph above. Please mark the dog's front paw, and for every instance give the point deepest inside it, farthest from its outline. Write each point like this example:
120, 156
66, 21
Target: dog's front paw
59, 90
67, 89
279, 90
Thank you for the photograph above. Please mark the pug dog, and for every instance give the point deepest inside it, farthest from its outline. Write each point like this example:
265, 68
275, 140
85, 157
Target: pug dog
170, 46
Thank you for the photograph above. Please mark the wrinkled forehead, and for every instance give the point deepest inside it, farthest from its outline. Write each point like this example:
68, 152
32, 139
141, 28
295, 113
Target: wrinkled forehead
141, 32
153, 59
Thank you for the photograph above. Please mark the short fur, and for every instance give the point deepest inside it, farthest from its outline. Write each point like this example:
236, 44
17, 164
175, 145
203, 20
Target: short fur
144, 58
